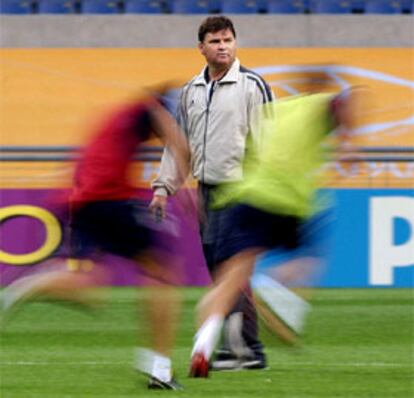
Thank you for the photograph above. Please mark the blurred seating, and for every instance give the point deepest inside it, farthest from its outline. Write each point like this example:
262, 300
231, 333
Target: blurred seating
207, 6
144, 6
100, 7
214, 6
358, 6
16, 7
331, 6
190, 7
261, 6
407, 6
383, 7
239, 7
56, 7
285, 7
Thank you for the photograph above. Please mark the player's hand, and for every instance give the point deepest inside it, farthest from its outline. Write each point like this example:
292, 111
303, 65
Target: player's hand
158, 206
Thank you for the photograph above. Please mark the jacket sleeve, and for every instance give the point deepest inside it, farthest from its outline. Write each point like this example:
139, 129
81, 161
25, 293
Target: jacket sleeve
169, 180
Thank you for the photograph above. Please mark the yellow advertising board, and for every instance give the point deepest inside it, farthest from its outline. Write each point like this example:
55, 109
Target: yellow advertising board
55, 96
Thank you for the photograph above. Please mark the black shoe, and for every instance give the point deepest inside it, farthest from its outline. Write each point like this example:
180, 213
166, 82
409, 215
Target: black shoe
223, 354
157, 384
255, 363
226, 360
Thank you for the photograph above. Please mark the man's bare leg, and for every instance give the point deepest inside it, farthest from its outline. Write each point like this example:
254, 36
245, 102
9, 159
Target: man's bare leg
231, 278
161, 303
57, 283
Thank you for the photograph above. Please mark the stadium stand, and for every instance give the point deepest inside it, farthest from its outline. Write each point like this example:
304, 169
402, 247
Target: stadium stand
358, 6
215, 6
56, 7
383, 7
190, 7
206, 6
331, 7
144, 6
100, 7
286, 7
407, 6
261, 6
239, 7
16, 7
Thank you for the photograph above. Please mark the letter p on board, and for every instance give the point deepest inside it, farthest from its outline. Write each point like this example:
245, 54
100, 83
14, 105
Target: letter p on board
384, 254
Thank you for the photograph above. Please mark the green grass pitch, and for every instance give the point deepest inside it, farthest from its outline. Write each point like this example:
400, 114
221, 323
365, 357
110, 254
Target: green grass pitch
358, 343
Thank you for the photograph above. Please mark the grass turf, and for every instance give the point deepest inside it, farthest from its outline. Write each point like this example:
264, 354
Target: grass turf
358, 343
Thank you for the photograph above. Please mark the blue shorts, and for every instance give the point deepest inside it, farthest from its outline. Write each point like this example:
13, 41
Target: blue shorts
114, 227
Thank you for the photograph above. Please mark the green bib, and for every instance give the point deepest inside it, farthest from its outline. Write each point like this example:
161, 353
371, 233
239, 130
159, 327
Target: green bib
281, 173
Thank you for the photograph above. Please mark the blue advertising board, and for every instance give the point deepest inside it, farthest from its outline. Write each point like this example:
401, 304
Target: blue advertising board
371, 240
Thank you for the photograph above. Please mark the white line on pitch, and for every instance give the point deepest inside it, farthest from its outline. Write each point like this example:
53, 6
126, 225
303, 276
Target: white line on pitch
109, 363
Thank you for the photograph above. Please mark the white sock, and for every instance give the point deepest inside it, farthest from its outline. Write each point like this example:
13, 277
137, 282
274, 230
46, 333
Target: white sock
288, 306
207, 336
153, 363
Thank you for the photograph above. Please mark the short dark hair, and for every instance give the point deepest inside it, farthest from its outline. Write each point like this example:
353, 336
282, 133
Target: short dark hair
213, 25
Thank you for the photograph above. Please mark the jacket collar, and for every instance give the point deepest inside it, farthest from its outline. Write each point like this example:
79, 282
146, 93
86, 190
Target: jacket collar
231, 76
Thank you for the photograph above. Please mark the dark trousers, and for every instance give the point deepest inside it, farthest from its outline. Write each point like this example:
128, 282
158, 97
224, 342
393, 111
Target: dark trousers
211, 224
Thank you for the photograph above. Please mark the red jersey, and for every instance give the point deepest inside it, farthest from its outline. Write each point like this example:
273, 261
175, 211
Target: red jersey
102, 172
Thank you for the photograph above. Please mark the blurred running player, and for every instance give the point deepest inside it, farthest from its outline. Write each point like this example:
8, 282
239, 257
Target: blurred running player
270, 209
108, 216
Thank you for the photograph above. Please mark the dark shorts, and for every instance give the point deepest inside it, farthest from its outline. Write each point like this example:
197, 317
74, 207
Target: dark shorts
246, 227
114, 227
234, 229
230, 230
316, 238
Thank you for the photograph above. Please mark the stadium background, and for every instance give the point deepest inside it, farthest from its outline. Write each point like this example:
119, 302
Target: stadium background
60, 74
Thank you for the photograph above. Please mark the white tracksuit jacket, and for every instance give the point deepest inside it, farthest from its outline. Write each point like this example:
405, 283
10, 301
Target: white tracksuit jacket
217, 119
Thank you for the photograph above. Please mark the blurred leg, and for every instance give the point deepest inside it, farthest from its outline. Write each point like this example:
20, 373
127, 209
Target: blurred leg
58, 283
240, 342
231, 278
161, 304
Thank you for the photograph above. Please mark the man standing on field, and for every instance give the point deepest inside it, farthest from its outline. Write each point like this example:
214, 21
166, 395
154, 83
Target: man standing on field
218, 112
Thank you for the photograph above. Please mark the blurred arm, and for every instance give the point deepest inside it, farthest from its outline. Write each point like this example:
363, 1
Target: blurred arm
175, 163
175, 167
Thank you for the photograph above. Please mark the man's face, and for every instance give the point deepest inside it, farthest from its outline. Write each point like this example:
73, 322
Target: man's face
219, 48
